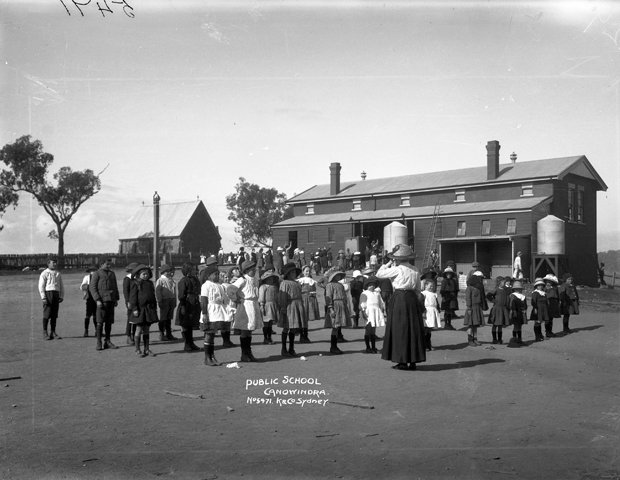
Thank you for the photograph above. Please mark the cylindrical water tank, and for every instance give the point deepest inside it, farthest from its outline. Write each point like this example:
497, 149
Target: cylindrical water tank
551, 237
393, 234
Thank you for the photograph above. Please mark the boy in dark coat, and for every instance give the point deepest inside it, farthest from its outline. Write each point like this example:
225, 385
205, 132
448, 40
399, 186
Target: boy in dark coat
104, 290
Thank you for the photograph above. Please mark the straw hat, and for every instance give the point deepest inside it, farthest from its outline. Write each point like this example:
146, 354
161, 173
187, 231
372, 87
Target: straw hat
551, 278
538, 281
269, 274
129, 268
166, 268
139, 267
448, 270
333, 273
356, 273
517, 285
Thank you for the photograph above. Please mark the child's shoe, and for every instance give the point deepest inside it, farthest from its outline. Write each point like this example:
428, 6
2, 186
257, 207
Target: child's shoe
138, 352
86, 333
55, 335
148, 352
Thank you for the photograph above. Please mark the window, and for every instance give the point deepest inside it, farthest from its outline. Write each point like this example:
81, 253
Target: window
330, 234
571, 202
486, 227
461, 228
310, 209
310, 236
527, 190
580, 194
357, 205
459, 196
511, 227
405, 201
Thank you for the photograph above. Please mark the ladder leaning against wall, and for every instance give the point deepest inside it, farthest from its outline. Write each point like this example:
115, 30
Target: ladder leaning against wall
429, 260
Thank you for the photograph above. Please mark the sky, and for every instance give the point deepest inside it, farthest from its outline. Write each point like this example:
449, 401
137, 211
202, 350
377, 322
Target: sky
184, 97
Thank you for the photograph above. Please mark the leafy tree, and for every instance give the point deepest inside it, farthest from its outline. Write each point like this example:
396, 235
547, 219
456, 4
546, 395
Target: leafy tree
27, 172
255, 209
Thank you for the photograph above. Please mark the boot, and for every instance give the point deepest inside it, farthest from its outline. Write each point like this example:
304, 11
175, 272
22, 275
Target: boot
46, 336
448, 323
265, 336
303, 336
284, 351
494, 334
538, 333
340, 337
334, 345
86, 323
190, 338
210, 359
147, 349
99, 333
470, 341
367, 342
549, 330
373, 344
169, 335
108, 344
137, 344
226, 340
244, 349
130, 340
519, 340
291, 344
476, 342
565, 328
249, 349
427, 337
499, 337
162, 336
187, 347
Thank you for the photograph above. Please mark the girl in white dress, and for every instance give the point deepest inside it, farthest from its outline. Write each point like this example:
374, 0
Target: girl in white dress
432, 309
373, 309
248, 316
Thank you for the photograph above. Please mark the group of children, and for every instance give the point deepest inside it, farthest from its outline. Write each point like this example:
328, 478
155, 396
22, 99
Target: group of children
243, 300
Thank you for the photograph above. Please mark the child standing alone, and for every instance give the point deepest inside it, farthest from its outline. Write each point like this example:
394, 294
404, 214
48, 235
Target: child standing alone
52, 293
569, 301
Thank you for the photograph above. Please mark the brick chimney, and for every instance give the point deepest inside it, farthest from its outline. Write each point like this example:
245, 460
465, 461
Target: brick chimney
492, 159
334, 173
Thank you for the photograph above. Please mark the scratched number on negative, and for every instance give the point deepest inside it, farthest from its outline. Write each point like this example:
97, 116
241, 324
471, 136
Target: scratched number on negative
102, 5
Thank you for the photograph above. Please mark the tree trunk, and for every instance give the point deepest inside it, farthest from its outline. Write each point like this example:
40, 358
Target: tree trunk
61, 246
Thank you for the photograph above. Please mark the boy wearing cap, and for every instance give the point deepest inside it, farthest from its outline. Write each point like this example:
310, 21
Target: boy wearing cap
52, 292
166, 295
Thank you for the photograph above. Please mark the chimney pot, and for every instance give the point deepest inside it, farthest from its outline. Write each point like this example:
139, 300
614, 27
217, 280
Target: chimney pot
513, 158
334, 184
492, 159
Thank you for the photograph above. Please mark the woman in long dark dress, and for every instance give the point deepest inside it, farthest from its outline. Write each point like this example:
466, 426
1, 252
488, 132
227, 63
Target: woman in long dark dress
403, 342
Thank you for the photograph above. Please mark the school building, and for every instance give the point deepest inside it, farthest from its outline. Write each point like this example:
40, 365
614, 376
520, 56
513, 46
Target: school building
184, 228
545, 209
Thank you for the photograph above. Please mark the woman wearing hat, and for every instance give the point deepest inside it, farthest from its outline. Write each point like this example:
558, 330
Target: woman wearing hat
91, 305
143, 305
188, 311
247, 315
291, 319
569, 301
403, 342
449, 296
337, 305
518, 310
553, 300
540, 308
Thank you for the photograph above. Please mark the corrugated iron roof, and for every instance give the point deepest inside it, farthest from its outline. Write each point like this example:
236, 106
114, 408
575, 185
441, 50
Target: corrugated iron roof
459, 208
519, 171
173, 218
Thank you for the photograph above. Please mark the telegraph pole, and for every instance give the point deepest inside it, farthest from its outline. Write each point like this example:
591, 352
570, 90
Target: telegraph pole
156, 199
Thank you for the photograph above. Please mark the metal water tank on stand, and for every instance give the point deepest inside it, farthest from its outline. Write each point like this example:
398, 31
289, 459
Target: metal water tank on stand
394, 234
550, 256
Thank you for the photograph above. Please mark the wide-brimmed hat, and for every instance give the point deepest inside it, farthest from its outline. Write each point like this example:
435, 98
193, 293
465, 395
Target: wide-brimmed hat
401, 252
212, 260
166, 268
371, 281
478, 273
428, 273
448, 269
538, 281
289, 267
208, 270
517, 285
333, 273
356, 273
129, 268
139, 267
269, 274
551, 278
247, 265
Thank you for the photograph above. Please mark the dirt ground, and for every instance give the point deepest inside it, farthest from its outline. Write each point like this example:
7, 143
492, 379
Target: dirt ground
546, 410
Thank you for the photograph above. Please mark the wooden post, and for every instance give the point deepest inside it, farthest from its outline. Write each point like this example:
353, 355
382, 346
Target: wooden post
613, 281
